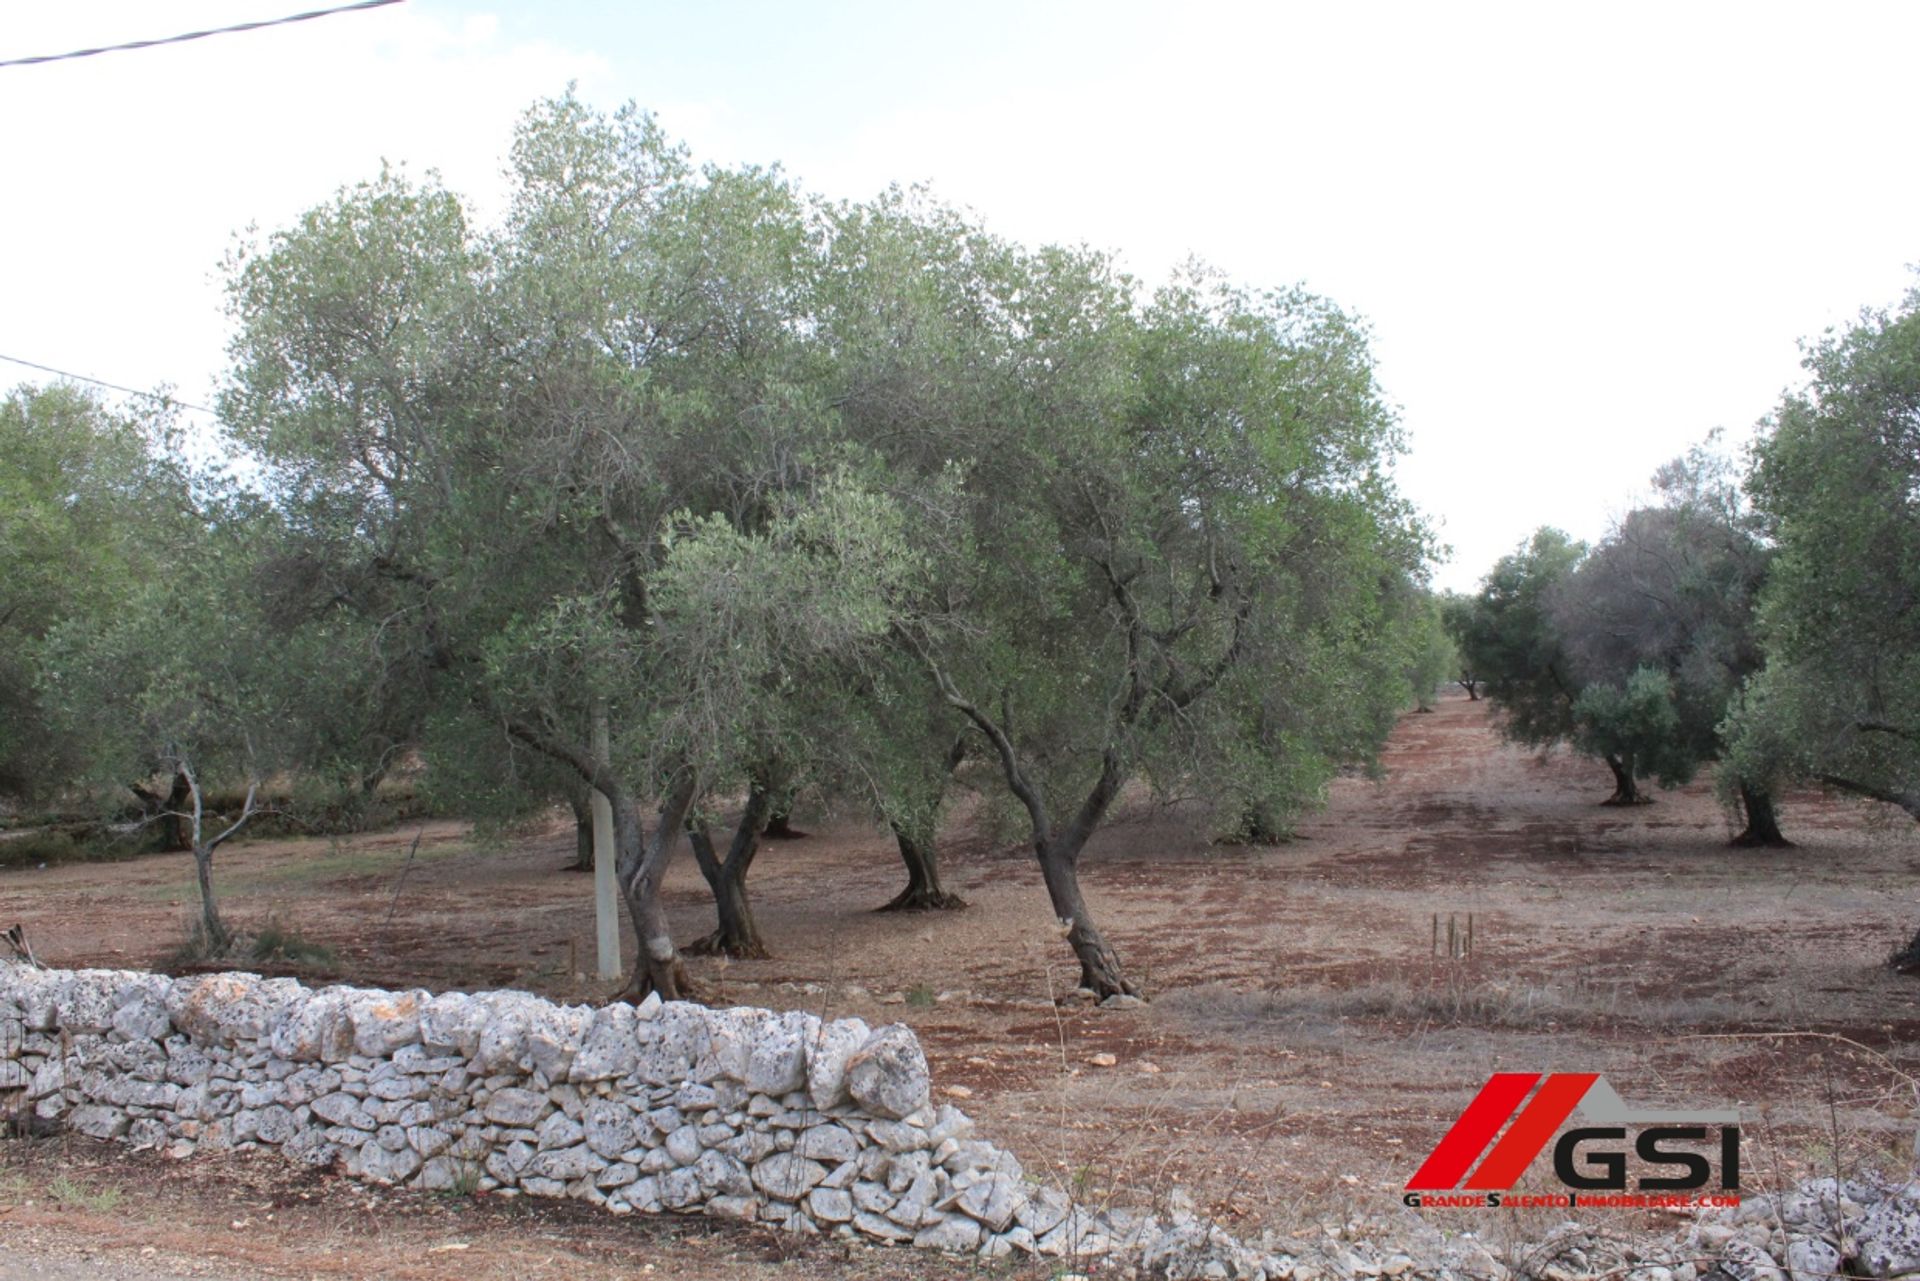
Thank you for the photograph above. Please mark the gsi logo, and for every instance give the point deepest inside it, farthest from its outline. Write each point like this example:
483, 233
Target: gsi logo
1588, 1158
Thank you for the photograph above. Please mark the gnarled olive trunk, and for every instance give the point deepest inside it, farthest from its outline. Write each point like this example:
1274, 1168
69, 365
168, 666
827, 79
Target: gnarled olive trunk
916, 830
1763, 824
737, 934
924, 893
1058, 849
642, 865
1100, 969
1626, 791
780, 823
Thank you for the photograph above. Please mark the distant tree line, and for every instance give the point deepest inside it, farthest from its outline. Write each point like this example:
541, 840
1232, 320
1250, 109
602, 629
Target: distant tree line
1764, 620
852, 502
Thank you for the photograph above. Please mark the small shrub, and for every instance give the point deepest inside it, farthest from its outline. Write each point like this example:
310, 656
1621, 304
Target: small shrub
195, 949
466, 1181
920, 995
276, 942
78, 1196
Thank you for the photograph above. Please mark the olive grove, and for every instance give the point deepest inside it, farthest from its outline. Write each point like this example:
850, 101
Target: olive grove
847, 500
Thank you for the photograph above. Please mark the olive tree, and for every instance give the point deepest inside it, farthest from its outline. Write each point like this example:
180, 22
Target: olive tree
78, 482
1836, 479
1512, 640
180, 677
505, 448
1183, 490
1659, 621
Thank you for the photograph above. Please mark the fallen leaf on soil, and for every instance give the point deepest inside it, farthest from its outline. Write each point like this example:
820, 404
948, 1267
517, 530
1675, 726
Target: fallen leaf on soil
1103, 1060
451, 1245
959, 1092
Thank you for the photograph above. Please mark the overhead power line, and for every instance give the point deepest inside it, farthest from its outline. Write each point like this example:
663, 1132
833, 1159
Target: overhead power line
198, 35
101, 382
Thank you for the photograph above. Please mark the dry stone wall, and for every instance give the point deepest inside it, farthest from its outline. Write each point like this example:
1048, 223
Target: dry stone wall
809, 1124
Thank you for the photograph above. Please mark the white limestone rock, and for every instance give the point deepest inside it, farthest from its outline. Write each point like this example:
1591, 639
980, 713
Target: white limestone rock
451, 1024
668, 1044
386, 1021
317, 1030
608, 1050
827, 1053
1889, 1238
828, 1142
888, 1075
955, 1233
98, 1122
778, 1061
515, 1107
231, 1009
786, 1177
830, 1205
554, 1037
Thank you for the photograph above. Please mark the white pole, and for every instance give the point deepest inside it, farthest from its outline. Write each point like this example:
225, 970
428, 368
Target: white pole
606, 908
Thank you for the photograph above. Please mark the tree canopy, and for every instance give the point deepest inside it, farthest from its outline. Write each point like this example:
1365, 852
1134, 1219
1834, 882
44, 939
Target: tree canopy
1836, 480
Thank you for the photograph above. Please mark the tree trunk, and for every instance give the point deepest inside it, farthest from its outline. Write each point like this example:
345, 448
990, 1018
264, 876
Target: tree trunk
1260, 827
924, 893
737, 934
580, 800
173, 826
218, 938
917, 832
643, 867
1625, 790
1908, 801
1058, 849
1473, 690
780, 824
1100, 971
1763, 825
1907, 959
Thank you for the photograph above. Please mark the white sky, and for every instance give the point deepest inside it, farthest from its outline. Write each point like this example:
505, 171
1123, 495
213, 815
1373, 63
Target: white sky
1584, 235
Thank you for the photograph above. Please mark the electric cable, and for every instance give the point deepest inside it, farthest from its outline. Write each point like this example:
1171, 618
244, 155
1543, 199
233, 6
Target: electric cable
197, 35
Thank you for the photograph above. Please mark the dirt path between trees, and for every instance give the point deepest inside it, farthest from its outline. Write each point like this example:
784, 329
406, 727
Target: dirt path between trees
1306, 1046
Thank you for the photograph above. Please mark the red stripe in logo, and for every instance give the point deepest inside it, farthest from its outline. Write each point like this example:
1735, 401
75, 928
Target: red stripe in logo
1460, 1146
1554, 1103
